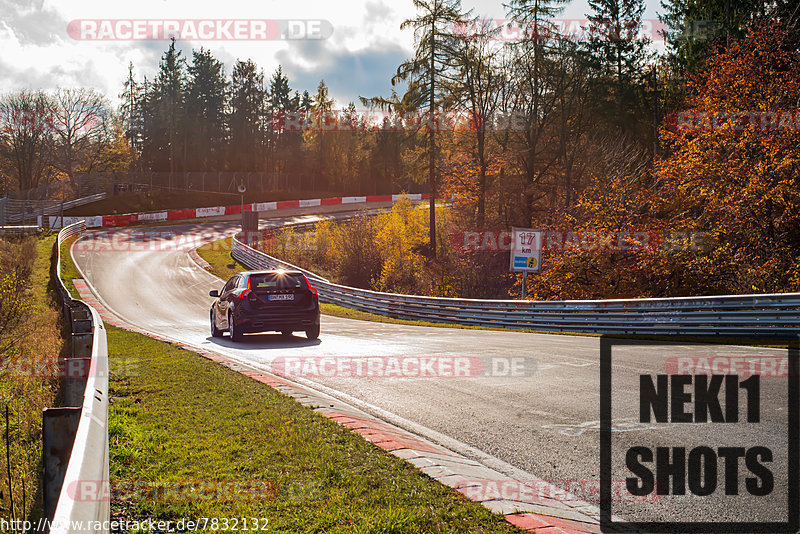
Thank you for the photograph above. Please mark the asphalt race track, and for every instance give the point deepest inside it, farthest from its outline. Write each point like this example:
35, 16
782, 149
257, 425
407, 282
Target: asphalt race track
543, 420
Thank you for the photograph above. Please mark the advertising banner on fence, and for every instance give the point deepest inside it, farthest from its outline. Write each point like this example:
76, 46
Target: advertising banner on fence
60, 222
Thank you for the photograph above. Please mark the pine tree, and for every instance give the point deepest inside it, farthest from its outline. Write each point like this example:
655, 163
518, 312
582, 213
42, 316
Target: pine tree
305, 102
694, 26
284, 145
167, 106
206, 94
279, 92
131, 110
246, 103
319, 141
618, 53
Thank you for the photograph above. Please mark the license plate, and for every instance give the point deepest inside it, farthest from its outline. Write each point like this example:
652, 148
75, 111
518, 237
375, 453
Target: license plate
289, 296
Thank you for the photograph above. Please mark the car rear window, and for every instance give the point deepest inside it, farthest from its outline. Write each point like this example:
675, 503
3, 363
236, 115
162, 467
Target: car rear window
277, 281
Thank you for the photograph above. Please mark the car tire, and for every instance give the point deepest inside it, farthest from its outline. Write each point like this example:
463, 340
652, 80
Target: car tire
313, 332
234, 332
215, 332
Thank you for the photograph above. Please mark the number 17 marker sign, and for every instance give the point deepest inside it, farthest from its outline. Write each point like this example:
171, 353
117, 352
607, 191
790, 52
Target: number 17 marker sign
526, 250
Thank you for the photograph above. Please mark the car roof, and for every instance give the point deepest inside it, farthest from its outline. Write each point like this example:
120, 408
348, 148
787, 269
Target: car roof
272, 271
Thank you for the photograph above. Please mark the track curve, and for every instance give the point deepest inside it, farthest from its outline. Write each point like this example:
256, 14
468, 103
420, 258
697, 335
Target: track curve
544, 422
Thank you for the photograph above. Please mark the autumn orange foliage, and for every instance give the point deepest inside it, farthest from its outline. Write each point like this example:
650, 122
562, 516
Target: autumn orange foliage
737, 183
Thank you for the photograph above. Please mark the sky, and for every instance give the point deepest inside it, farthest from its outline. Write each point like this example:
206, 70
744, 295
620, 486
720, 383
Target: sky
356, 45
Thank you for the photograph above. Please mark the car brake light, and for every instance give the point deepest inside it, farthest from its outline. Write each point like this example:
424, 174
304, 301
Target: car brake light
312, 288
246, 292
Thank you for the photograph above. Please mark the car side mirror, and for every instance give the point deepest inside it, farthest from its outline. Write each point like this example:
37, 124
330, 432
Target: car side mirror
213, 293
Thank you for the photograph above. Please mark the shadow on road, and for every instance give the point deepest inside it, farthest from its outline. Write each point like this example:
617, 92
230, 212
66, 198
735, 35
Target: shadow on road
265, 341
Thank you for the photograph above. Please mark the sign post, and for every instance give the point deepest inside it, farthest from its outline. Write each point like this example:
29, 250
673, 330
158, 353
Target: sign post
526, 251
242, 189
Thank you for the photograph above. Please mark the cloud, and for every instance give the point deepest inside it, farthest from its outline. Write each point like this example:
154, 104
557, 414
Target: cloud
348, 74
32, 24
377, 11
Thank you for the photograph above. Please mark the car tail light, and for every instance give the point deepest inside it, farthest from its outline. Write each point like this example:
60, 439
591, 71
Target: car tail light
312, 288
246, 292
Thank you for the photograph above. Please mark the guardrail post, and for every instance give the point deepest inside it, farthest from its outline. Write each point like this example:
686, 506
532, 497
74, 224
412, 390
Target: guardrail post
75, 382
59, 426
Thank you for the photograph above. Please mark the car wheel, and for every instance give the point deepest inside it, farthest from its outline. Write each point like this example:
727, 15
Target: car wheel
232, 330
313, 332
215, 332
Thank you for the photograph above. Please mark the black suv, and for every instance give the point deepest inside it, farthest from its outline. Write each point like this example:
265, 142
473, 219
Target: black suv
264, 301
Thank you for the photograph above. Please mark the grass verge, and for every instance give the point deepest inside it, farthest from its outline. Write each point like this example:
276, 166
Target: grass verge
218, 256
68, 270
178, 420
27, 381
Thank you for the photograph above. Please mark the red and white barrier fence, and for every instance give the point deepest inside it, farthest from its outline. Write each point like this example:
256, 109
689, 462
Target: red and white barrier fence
127, 219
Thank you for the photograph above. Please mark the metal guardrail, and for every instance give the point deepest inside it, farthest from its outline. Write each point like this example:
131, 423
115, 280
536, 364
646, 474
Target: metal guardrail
726, 315
18, 211
77, 492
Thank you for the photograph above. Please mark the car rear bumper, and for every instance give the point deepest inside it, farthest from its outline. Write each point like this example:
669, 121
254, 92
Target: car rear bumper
252, 321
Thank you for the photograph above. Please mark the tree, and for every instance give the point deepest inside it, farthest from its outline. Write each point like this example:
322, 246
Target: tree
82, 124
306, 103
281, 102
166, 106
206, 98
435, 46
280, 98
695, 27
732, 168
246, 104
320, 141
618, 54
532, 65
477, 91
574, 81
132, 111
27, 133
